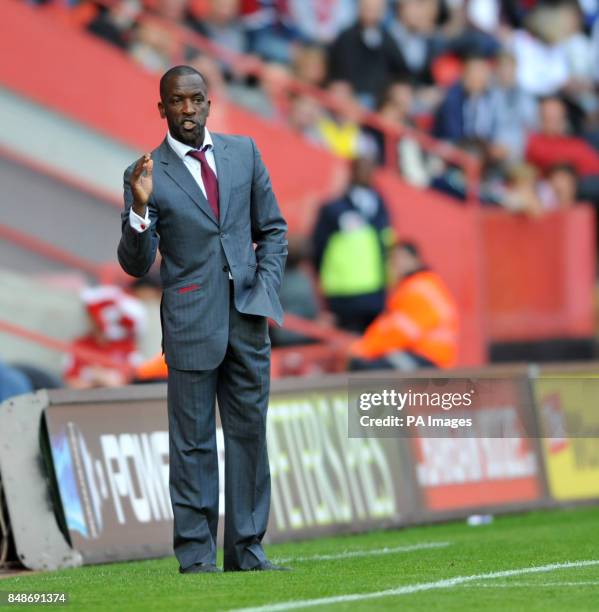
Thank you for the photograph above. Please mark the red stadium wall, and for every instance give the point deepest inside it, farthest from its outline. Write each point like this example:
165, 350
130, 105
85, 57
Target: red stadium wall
539, 274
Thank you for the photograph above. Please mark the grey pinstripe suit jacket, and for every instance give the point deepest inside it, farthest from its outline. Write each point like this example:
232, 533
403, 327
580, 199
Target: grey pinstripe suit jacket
197, 250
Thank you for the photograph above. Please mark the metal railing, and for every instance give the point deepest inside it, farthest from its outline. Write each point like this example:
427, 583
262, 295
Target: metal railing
251, 66
85, 354
104, 273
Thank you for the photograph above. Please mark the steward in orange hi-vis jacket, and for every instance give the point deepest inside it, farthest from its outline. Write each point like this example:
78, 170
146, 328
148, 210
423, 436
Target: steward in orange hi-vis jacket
420, 321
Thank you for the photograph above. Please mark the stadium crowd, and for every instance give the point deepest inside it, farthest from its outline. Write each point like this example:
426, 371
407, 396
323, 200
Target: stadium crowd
512, 83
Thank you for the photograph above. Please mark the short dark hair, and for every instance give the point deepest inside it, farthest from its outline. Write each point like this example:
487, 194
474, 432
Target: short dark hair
178, 71
408, 246
385, 96
553, 97
476, 54
562, 167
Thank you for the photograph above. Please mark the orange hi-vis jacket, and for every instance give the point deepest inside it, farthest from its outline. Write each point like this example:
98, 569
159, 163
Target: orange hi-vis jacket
420, 317
153, 369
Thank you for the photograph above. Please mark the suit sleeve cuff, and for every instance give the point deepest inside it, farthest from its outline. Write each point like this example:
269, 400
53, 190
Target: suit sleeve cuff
139, 224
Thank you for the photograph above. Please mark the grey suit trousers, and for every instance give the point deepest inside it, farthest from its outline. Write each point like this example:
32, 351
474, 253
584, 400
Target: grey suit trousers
241, 384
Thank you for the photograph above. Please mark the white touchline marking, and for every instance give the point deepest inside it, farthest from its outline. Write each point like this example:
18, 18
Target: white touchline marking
349, 554
415, 588
509, 585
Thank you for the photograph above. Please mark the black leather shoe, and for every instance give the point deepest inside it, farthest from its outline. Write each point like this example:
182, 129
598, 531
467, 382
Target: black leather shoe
200, 568
265, 566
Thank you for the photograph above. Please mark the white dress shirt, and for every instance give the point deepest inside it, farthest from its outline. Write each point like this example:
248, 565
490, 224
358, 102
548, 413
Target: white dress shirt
141, 224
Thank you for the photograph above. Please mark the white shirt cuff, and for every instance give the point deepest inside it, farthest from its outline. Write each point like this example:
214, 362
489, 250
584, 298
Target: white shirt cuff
139, 224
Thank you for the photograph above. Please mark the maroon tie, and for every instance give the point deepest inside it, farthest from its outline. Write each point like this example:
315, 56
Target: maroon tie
209, 179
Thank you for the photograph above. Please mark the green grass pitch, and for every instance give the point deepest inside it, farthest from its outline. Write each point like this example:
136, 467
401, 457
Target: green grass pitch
537, 561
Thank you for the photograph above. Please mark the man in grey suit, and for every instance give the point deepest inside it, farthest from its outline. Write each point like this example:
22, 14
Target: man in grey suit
205, 200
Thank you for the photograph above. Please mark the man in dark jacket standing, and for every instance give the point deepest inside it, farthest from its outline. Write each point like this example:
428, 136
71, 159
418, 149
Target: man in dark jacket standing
366, 55
350, 241
205, 199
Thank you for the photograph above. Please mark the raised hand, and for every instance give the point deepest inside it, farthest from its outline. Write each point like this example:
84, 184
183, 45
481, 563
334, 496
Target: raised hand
141, 183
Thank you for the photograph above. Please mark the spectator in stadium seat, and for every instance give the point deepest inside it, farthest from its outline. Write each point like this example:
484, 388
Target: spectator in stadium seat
560, 47
366, 55
453, 181
223, 26
154, 46
577, 47
116, 320
419, 327
12, 382
310, 65
472, 27
155, 43
522, 193
304, 116
321, 21
394, 108
350, 240
554, 144
516, 110
414, 32
468, 110
560, 188
211, 69
115, 23
543, 50
271, 30
339, 129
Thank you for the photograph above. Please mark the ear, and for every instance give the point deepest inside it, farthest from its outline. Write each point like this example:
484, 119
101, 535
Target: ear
161, 110
209, 105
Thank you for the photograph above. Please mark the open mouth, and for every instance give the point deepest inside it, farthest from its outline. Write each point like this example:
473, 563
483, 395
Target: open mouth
188, 124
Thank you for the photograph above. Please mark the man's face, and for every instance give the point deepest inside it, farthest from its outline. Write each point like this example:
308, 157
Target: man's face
304, 113
362, 171
564, 186
553, 118
185, 106
506, 71
476, 76
371, 12
418, 15
402, 263
402, 96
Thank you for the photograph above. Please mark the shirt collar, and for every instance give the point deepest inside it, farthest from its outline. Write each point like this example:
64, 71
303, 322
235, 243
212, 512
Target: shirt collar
182, 149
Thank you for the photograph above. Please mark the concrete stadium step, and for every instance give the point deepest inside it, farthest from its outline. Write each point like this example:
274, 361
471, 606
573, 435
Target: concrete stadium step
67, 146
18, 259
56, 213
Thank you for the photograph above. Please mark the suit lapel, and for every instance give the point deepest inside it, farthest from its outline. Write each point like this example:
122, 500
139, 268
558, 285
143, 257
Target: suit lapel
224, 174
178, 172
